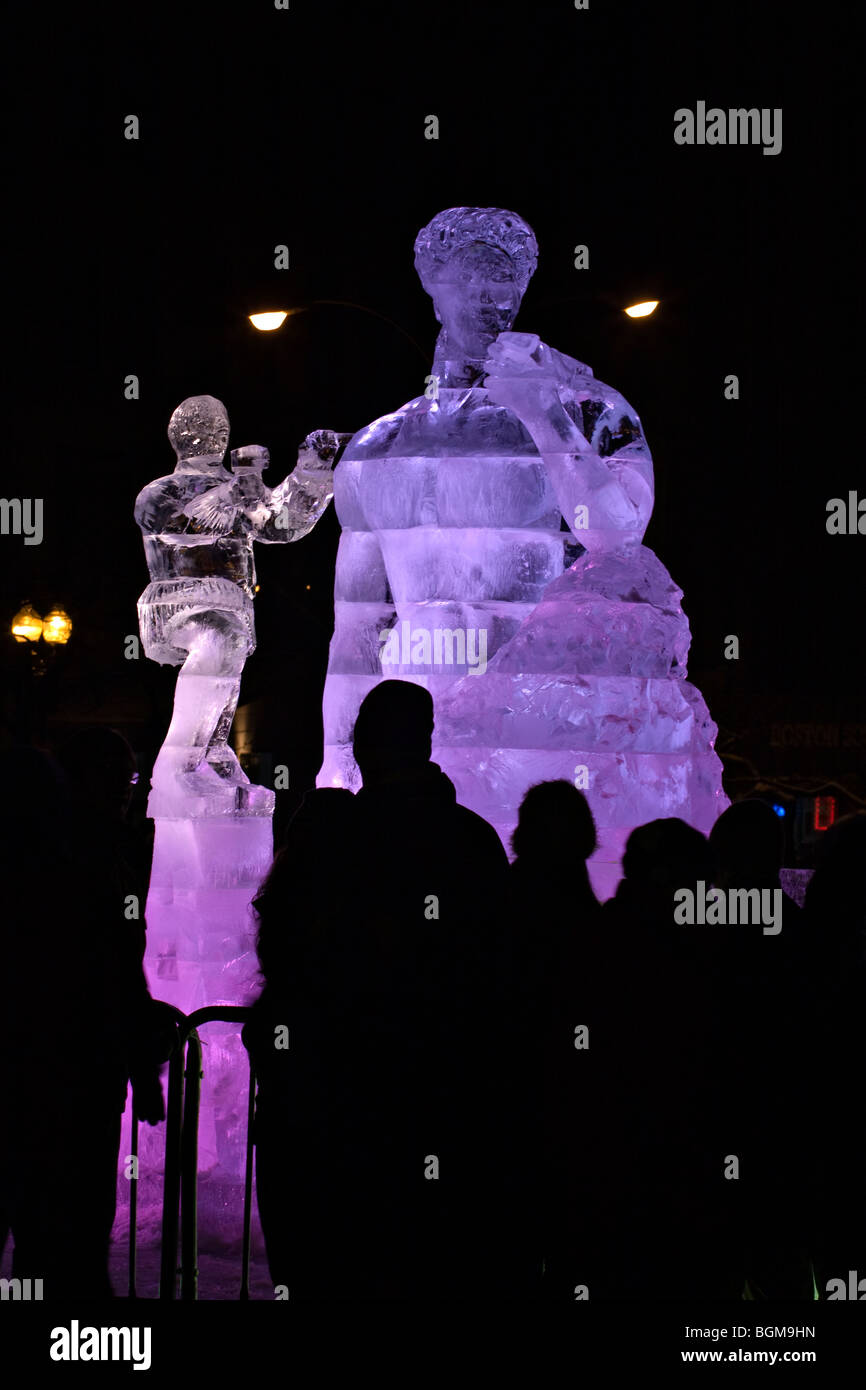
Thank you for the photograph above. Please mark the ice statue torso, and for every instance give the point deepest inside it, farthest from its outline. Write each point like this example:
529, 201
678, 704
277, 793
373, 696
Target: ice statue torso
459, 501
455, 527
180, 546
464, 514
459, 461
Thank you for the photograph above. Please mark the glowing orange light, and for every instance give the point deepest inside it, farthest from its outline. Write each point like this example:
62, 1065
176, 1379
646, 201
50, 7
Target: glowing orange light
269, 320
642, 311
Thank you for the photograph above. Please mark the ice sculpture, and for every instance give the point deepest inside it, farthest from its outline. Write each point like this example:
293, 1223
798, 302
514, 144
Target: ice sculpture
491, 551
199, 524
213, 840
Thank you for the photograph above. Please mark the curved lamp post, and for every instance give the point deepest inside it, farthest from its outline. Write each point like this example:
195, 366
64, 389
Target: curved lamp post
271, 319
28, 627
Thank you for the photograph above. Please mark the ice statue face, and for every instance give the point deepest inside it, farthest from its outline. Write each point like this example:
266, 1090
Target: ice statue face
477, 297
199, 428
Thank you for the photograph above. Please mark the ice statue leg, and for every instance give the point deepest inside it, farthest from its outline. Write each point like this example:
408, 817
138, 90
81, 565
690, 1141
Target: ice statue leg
220, 756
207, 690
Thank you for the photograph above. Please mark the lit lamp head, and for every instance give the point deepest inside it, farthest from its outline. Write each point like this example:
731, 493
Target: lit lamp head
57, 626
269, 319
27, 624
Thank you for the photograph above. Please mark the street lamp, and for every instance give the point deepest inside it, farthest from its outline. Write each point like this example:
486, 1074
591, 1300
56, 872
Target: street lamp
57, 626
643, 310
55, 629
269, 320
27, 627
27, 624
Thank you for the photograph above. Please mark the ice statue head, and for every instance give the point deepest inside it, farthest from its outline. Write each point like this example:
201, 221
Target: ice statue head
475, 263
199, 429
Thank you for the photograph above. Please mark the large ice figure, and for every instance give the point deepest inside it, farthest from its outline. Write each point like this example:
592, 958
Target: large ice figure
213, 840
491, 551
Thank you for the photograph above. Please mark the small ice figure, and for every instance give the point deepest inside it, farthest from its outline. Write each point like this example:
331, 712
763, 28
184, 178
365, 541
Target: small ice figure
199, 524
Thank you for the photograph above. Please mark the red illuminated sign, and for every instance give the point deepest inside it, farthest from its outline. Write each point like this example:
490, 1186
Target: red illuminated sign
825, 812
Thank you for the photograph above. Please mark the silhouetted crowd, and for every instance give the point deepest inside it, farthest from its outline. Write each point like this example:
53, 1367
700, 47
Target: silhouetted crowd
475, 1081
78, 1020
495, 1087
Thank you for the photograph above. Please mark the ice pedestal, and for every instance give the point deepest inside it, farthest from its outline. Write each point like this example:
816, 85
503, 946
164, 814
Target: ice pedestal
201, 952
200, 929
591, 689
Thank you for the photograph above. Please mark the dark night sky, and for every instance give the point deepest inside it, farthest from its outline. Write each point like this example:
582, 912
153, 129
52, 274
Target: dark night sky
306, 127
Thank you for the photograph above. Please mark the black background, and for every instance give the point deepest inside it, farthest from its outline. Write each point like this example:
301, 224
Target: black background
306, 127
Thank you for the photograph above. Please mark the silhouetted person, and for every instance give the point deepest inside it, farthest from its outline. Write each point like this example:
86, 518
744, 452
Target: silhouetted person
403, 899
101, 769
34, 826
748, 845
77, 1020
114, 862
554, 837
552, 991
762, 977
304, 1039
660, 858
834, 1032
657, 1200
436, 874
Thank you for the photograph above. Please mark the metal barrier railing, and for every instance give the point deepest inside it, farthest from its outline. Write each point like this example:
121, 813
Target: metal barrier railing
180, 1185
173, 1016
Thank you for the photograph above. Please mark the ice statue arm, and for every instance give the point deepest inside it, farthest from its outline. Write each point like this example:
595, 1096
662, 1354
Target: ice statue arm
291, 509
159, 507
603, 482
213, 507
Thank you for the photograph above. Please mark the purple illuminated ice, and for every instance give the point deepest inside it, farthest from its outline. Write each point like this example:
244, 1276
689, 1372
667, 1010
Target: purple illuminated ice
213, 841
491, 551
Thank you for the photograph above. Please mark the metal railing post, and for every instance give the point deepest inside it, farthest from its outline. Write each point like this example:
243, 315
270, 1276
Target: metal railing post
171, 1185
133, 1202
189, 1170
180, 1188
248, 1186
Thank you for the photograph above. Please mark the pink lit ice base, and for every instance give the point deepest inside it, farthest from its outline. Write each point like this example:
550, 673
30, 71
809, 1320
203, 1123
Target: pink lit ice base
201, 951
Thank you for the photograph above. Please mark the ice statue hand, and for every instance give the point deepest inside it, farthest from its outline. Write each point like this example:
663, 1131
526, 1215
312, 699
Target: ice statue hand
526, 377
248, 464
321, 450
523, 375
248, 489
524, 355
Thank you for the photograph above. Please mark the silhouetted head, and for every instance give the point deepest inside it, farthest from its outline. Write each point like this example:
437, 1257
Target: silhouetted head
100, 769
199, 428
554, 824
664, 856
836, 895
476, 264
394, 729
748, 844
